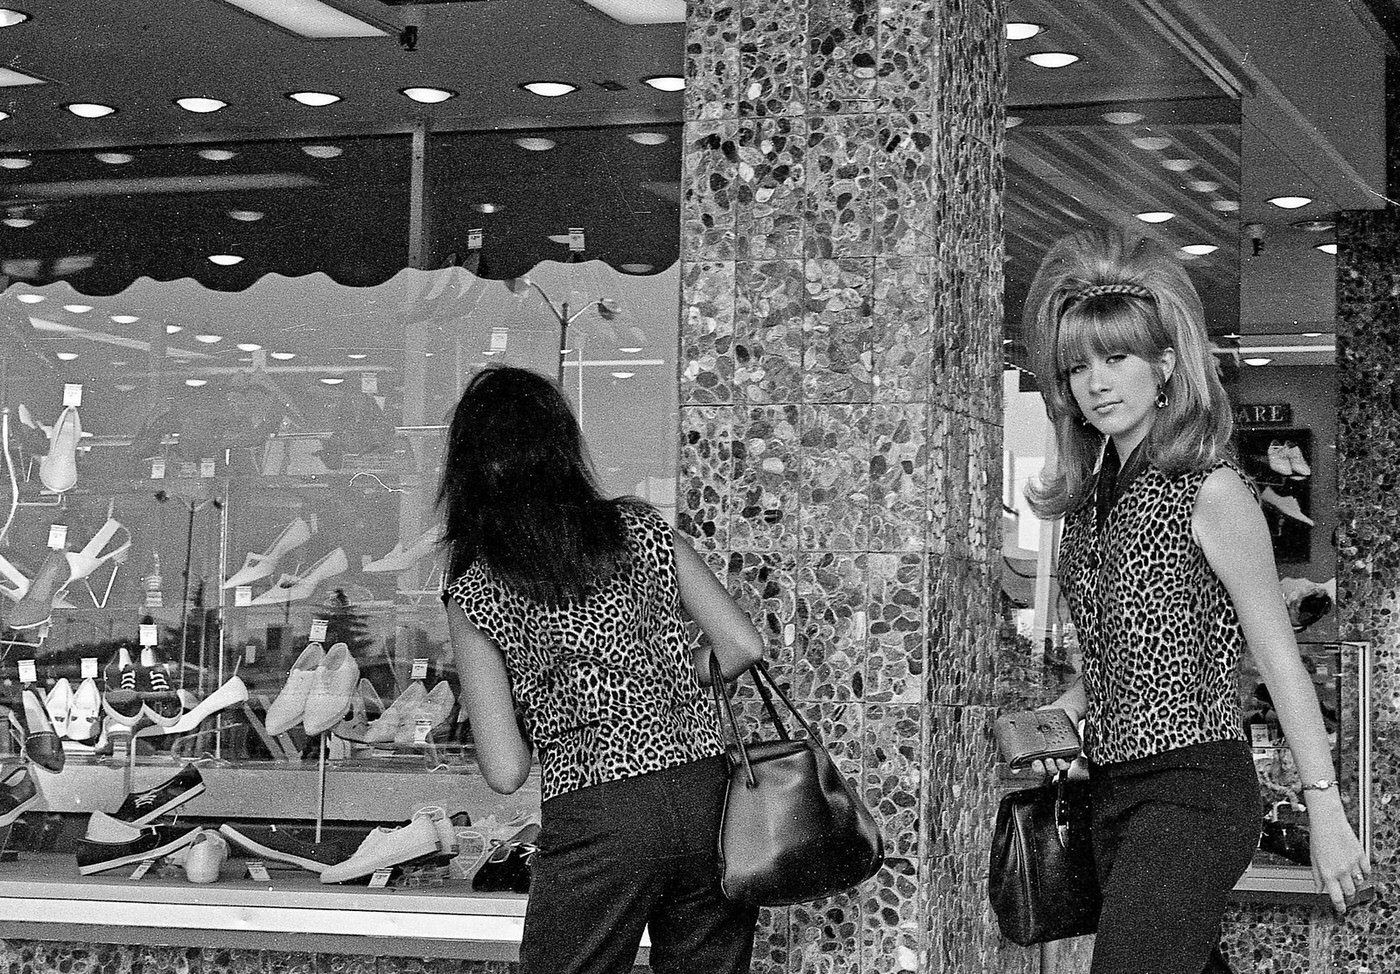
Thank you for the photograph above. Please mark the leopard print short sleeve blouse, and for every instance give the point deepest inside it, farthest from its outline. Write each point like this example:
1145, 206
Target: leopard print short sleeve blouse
1160, 636
608, 686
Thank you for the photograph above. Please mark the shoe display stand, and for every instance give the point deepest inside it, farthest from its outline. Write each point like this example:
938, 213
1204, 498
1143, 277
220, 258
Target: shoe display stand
1279, 462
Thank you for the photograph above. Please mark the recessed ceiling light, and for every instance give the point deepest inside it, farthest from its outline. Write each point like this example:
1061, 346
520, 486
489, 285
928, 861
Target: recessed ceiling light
174, 329
249, 347
536, 144
322, 151
1021, 30
310, 18
206, 339
332, 380
560, 238
196, 383
665, 82
4, 115
84, 109
125, 319
201, 106
78, 309
12, 162
1327, 248
65, 356
1122, 118
18, 222
649, 138
429, 354
113, 158
246, 216
549, 89
1290, 202
10, 18
1178, 165
30, 298
1199, 250
225, 260
1154, 216
623, 375
488, 207
357, 356
1013, 120
217, 155
1314, 226
1257, 361
1052, 59
630, 350
313, 99
119, 363
635, 268
283, 356
428, 96
1225, 206
1312, 334
1153, 143
1203, 185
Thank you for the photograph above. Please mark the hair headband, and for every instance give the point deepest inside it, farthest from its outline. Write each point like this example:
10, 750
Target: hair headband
1131, 290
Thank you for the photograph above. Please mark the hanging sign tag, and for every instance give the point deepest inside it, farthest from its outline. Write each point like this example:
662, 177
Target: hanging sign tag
420, 669
158, 468
242, 595
498, 339
142, 869
58, 536
88, 668
474, 238
73, 394
148, 634
26, 671
318, 630
257, 872
575, 238
380, 878
421, 730
369, 383
207, 466
250, 653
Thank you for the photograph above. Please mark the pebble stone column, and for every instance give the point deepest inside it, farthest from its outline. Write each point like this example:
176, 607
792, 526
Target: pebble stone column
840, 359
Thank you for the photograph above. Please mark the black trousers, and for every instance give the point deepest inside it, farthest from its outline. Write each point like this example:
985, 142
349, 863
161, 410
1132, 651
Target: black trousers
1173, 833
625, 854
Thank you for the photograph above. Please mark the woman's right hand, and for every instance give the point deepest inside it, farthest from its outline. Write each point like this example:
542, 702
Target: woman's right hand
1053, 766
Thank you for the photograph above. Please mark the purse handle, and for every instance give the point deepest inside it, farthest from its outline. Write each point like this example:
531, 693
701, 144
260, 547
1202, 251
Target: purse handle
758, 672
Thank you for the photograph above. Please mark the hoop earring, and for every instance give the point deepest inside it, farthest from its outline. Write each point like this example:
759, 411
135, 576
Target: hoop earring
1162, 401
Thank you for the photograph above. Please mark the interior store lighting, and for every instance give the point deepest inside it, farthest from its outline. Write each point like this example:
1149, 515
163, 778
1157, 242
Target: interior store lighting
1013, 120
1021, 30
1257, 361
249, 347
1154, 216
357, 356
10, 17
4, 115
1290, 202
1203, 185
314, 99
322, 151
1314, 226
549, 89
30, 298
487, 207
217, 155
1122, 118
65, 356
225, 260
78, 309
114, 158
309, 18
1199, 250
1178, 165
1052, 59
1225, 206
10, 78
196, 383
536, 143
18, 222
1327, 248
14, 162
246, 216
283, 356
1152, 143
87, 109
630, 350
428, 96
174, 329
665, 82
649, 138
199, 105
623, 375
126, 319
332, 380
205, 339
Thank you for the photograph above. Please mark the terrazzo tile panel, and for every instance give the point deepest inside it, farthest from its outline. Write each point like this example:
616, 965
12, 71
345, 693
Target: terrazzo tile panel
837, 331
773, 60
831, 626
771, 188
842, 51
962, 632
906, 73
898, 472
826, 934
969, 94
960, 784
705, 471
834, 495
770, 944
765, 585
769, 305
893, 779
895, 644
767, 471
712, 60
902, 329
903, 208
961, 933
346, 964
891, 929
228, 961
706, 367
709, 200
840, 206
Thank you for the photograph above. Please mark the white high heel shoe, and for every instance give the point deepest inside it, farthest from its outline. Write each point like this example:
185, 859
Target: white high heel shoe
292, 588
400, 558
256, 566
58, 470
60, 570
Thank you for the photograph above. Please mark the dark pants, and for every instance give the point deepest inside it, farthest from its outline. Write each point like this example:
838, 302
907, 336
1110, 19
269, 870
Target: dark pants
1173, 833
625, 854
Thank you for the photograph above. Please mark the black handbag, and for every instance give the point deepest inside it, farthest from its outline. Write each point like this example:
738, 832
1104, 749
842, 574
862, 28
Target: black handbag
793, 828
1042, 880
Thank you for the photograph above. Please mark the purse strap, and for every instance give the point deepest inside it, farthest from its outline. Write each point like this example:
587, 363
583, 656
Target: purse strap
763, 680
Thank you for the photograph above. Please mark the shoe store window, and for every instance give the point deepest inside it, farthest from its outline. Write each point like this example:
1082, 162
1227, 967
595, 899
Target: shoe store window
233, 335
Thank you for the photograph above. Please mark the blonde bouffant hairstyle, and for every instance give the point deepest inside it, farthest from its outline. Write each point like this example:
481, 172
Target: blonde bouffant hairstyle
1103, 292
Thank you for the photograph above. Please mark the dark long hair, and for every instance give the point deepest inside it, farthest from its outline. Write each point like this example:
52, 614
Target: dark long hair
518, 493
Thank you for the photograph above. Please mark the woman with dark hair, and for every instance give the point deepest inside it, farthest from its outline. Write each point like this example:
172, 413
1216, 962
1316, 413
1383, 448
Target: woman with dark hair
570, 609
1167, 565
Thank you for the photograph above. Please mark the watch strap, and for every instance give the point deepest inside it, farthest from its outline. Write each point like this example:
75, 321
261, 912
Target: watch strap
1321, 784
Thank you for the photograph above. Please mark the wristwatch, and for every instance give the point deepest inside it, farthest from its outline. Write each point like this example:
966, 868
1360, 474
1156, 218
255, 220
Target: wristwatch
1321, 784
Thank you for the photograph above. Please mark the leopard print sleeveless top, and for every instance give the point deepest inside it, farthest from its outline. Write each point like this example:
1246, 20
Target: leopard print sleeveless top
1160, 636
608, 686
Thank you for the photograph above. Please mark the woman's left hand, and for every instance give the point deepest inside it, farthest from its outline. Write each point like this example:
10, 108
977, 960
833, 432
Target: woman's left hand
1339, 863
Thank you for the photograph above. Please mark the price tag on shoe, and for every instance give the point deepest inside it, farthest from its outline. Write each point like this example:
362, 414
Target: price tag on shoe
421, 730
158, 468
420, 669
26, 671
250, 653
142, 869
380, 878
318, 630
58, 536
148, 634
242, 595
88, 668
257, 872
72, 394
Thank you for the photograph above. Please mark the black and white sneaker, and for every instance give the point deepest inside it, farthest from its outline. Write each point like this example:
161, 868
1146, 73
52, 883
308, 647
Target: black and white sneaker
142, 807
270, 842
112, 844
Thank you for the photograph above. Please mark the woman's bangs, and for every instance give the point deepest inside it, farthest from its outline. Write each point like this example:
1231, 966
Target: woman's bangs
1099, 330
